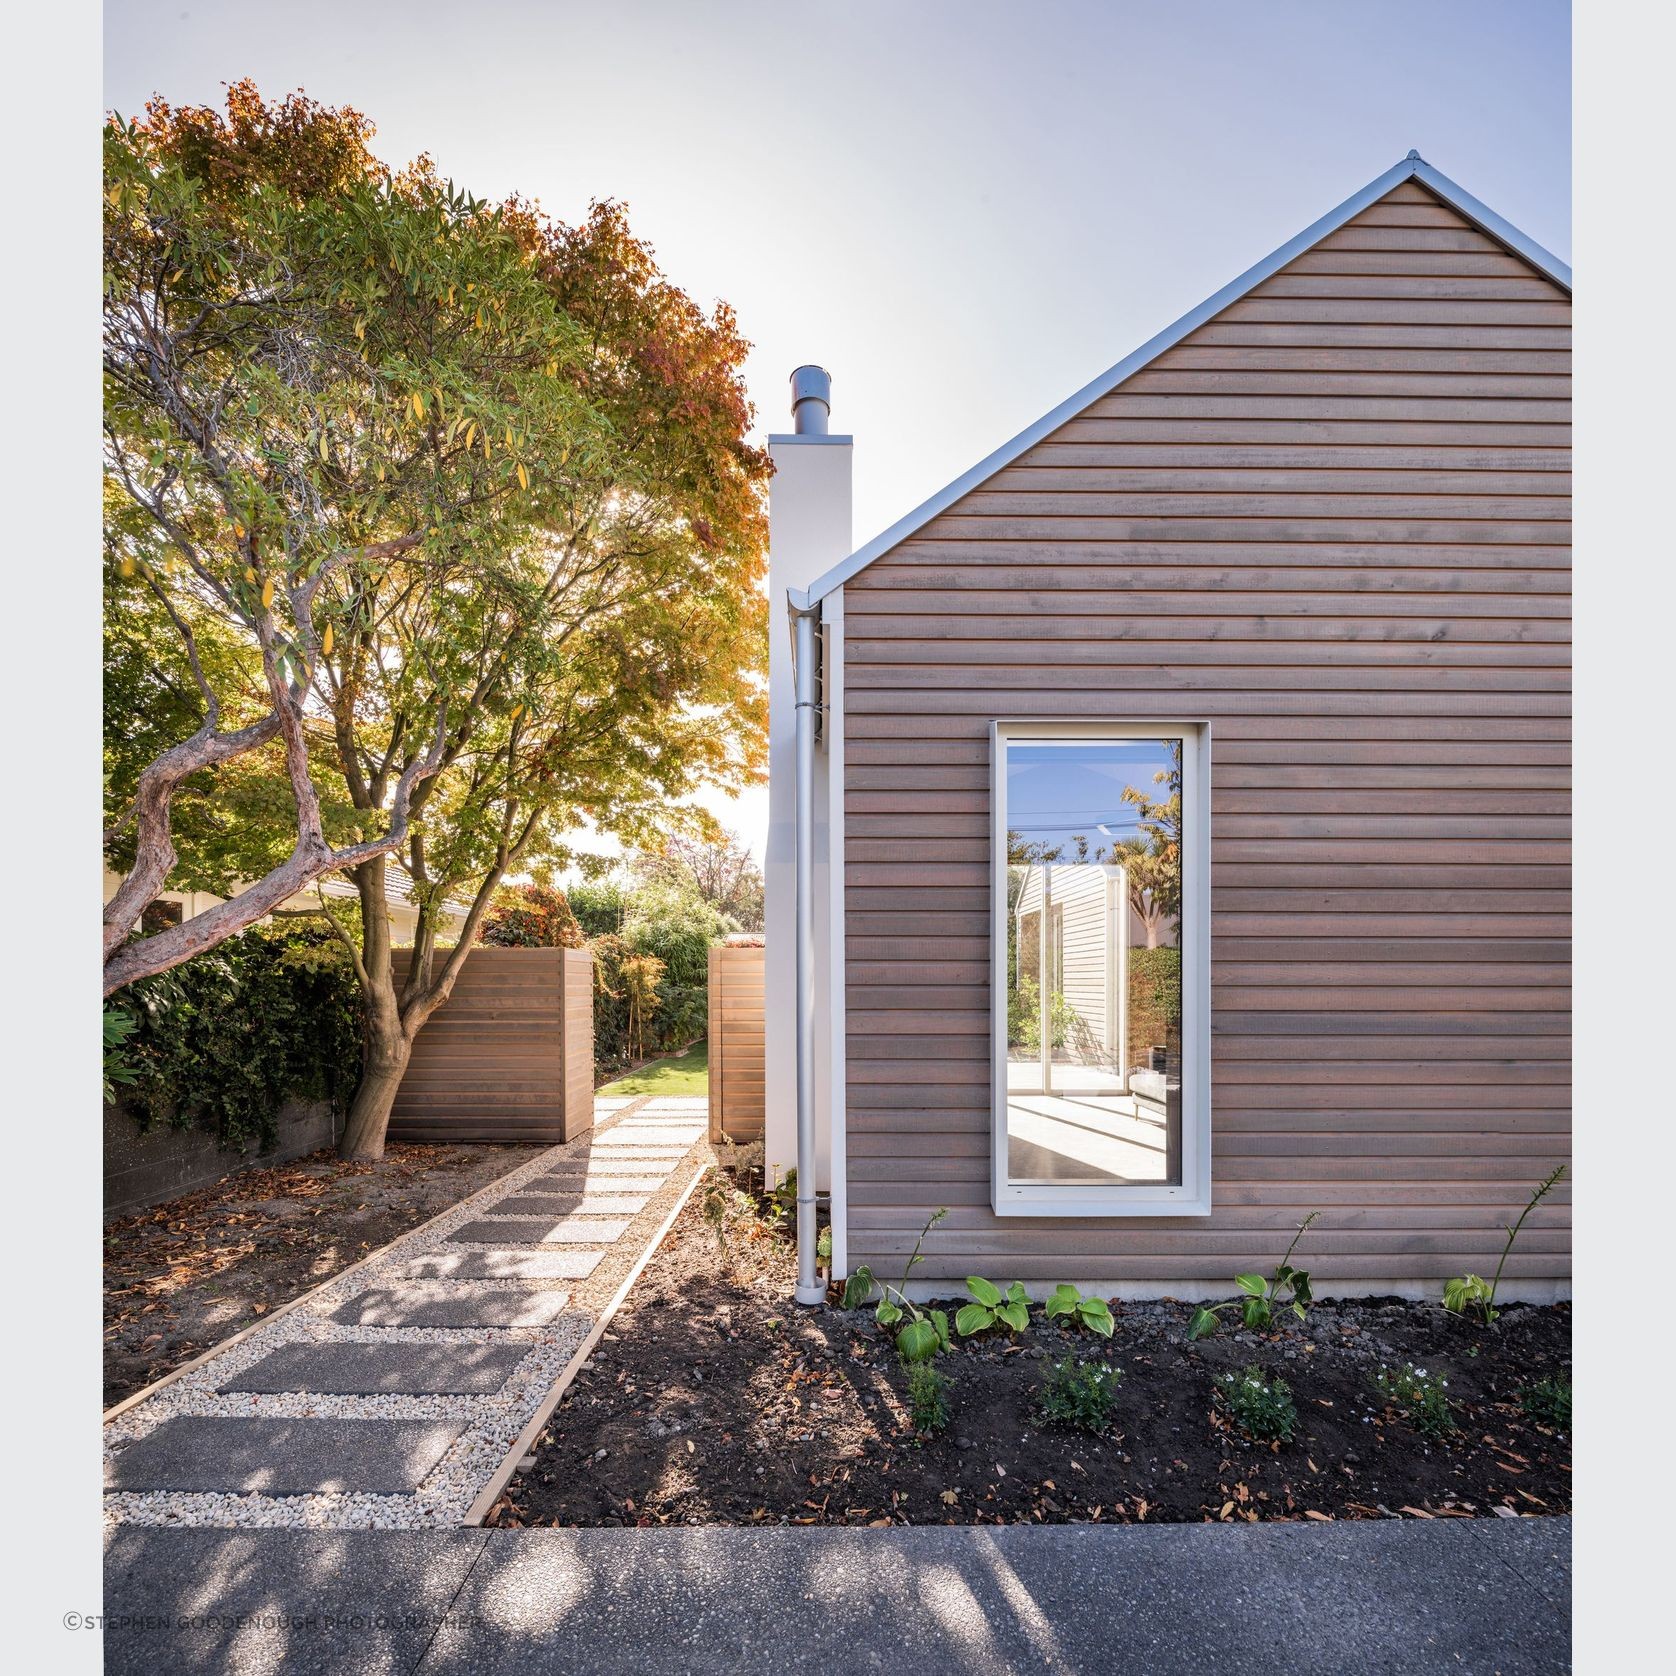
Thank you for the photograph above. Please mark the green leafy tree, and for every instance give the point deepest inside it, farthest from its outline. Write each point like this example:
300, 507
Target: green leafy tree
476, 492
289, 342
600, 906
1155, 858
716, 866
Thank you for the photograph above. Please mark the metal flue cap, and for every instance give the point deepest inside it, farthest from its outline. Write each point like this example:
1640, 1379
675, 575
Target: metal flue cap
811, 400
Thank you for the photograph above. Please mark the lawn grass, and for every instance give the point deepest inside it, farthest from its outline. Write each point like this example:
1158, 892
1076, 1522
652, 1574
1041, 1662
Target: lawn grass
685, 1073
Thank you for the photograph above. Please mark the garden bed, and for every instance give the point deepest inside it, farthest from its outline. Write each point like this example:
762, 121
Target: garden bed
181, 1277
714, 1399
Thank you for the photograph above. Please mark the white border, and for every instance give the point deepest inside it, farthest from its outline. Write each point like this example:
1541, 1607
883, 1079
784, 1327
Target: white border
1192, 1196
1412, 167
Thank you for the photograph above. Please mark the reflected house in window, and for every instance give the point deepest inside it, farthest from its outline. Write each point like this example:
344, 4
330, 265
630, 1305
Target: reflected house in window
1188, 793
1088, 921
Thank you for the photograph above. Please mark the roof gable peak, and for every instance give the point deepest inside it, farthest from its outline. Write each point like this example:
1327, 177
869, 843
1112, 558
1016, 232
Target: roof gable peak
1412, 167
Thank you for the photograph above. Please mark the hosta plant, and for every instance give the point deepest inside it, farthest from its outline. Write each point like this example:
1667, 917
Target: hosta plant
1286, 1288
990, 1307
1470, 1294
1069, 1305
924, 1332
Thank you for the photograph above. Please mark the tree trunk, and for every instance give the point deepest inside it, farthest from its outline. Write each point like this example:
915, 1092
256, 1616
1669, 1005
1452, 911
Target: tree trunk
394, 1019
385, 1044
369, 1117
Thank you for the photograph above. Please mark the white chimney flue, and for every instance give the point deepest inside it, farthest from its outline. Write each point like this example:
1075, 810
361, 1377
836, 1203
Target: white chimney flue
809, 534
811, 400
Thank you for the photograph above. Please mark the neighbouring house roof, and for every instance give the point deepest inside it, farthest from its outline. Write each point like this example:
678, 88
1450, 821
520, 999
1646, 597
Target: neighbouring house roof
398, 888
1412, 167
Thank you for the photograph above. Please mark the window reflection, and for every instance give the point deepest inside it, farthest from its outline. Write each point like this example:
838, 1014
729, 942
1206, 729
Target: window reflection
1094, 980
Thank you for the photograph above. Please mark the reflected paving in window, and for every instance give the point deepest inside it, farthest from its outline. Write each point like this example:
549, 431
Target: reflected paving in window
1094, 980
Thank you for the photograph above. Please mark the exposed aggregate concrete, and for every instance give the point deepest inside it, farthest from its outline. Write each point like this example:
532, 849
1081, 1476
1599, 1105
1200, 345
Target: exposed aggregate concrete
491, 1422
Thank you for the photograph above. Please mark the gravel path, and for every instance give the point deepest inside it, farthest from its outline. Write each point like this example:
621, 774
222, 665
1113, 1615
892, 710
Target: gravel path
481, 1274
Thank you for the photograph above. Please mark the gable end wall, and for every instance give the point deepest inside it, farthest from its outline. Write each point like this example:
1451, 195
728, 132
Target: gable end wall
1333, 521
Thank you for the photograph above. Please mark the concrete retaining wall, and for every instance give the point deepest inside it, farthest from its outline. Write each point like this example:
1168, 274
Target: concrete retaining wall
149, 1168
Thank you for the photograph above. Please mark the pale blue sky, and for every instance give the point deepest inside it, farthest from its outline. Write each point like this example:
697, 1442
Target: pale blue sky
963, 209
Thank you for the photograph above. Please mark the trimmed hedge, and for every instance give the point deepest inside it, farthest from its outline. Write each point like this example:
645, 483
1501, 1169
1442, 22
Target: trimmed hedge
223, 1041
1154, 998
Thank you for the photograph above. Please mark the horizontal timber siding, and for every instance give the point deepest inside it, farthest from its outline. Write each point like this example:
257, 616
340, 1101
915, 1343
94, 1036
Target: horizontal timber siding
737, 1042
1332, 522
509, 1056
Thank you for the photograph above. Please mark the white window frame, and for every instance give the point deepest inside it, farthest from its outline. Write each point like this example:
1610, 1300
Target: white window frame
1192, 1196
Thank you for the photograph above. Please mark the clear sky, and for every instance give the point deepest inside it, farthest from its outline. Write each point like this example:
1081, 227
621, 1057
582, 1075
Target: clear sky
964, 210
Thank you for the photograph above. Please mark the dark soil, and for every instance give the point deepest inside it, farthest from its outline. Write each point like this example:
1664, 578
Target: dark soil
713, 1399
182, 1276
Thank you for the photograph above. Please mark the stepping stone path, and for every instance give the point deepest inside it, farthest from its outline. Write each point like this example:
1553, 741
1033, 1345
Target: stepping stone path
283, 1457
362, 1369
387, 1399
444, 1303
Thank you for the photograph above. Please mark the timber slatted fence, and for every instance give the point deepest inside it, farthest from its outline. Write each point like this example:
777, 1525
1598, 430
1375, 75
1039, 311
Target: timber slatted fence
510, 1057
736, 1042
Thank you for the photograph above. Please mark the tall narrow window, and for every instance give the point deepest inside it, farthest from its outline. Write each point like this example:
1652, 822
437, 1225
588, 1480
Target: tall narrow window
1101, 969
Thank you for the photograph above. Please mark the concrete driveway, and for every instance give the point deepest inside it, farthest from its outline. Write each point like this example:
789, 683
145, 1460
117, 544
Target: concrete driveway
1473, 1597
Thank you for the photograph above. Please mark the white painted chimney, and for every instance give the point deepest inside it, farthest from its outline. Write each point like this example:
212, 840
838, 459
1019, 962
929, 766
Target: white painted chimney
809, 533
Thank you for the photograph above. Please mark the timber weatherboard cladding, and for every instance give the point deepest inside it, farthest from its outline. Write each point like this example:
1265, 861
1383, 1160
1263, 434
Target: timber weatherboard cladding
509, 1056
737, 979
1332, 522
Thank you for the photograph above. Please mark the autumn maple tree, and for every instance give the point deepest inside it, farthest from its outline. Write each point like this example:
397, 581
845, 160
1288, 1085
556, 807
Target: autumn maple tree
463, 498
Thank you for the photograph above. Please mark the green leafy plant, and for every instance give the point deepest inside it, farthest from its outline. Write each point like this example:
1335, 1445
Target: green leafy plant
723, 1205
1079, 1395
1067, 1303
858, 1288
928, 1397
1259, 1404
119, 1069
1024, 1016
1287, 1287
222, 1041
991, 1307
924, 1332
1548, 1402
1421, 1397
782, 1199
1468, 1293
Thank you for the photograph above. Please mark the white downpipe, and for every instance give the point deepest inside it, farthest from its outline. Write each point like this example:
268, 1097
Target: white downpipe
804, 622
